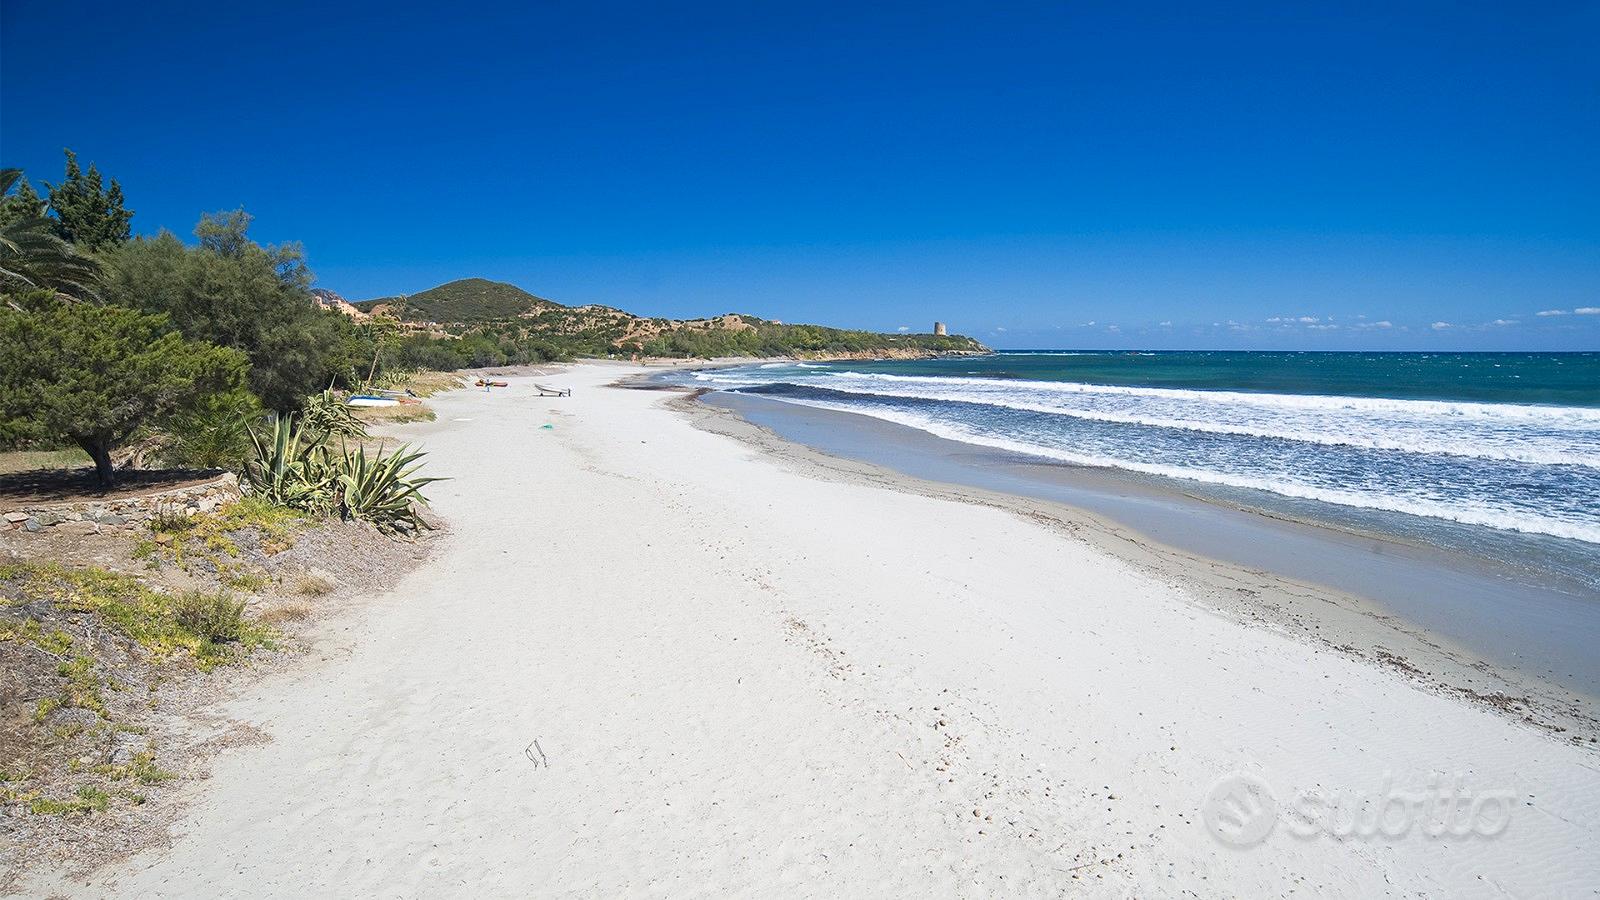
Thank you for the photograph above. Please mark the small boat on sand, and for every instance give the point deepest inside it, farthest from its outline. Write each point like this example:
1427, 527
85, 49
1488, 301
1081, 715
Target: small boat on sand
372, 400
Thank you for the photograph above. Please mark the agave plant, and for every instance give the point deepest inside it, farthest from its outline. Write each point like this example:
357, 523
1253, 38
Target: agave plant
327, 415
383, 489
291, 466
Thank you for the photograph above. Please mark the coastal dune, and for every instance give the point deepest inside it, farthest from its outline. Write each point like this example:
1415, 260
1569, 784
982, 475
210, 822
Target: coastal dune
648, 659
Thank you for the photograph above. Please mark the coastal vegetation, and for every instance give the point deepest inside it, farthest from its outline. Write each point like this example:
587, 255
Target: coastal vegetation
98, 643
297, 465
474, 322
161, 350
129, 353
96, 374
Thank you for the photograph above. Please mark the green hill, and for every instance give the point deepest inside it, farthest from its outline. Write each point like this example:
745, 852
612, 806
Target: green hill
476, 322
467, 300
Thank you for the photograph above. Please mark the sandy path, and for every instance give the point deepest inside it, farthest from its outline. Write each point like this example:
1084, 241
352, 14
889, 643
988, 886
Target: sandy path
745, 680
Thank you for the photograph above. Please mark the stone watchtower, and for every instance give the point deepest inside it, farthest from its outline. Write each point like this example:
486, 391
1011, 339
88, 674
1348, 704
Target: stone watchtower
938, 328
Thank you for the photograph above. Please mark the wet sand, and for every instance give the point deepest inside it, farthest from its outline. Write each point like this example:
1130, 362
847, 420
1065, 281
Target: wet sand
1468, 623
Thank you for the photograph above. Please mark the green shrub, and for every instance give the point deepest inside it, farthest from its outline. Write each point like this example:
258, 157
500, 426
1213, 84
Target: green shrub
213, 435
171, 520
88, 799
217, 618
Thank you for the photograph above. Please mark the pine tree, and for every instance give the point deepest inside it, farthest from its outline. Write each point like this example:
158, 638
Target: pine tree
23, 205
94, 374
87, 213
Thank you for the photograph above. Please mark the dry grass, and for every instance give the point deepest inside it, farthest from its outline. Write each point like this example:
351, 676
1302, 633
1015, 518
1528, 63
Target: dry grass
423, 384
394, 415
289, 612
33, 460
426, 384
312, 586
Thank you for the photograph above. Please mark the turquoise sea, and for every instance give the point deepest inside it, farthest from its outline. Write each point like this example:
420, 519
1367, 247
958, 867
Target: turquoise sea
1494, 445
1558, 379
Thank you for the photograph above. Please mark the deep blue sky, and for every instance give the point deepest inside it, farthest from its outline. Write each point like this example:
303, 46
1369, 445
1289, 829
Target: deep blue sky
1017, 172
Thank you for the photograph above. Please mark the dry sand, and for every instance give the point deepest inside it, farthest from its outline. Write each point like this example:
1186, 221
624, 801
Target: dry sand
651, 660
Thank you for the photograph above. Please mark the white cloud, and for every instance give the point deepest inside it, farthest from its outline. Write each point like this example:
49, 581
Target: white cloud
1588, 311
1504, 322
1440, 326
1551, 312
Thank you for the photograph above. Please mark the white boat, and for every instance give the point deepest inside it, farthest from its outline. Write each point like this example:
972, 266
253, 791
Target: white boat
366, 400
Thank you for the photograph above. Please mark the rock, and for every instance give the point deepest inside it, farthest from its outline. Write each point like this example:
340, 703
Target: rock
246, 539
125, 746
83, 718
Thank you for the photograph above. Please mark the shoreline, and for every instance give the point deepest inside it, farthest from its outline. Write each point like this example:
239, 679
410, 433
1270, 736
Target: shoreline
647, 655
1344, 621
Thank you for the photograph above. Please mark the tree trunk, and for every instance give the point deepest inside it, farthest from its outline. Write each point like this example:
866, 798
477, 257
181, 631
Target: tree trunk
101, 454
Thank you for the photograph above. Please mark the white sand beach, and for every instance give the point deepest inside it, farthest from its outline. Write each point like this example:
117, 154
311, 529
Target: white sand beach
651, 660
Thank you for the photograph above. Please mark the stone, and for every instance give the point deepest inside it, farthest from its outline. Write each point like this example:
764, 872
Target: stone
73, 715
126, 746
